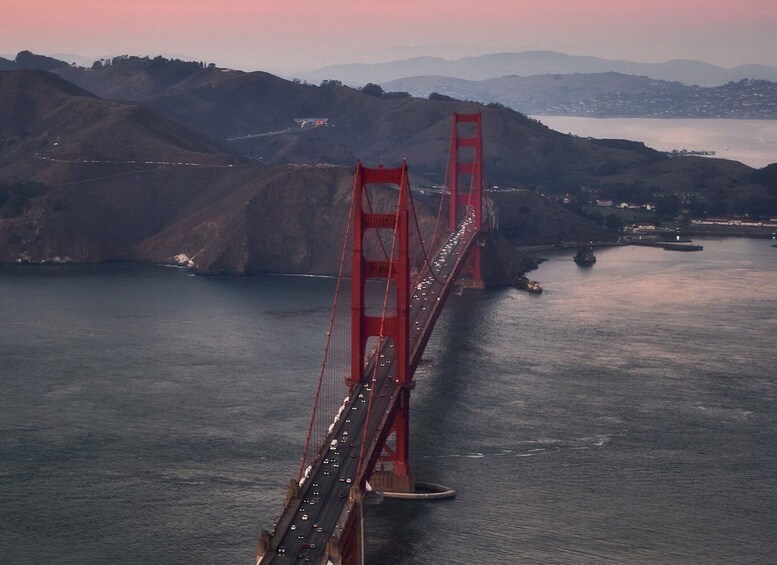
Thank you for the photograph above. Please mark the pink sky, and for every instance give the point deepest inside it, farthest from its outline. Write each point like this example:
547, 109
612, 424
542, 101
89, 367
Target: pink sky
293, 34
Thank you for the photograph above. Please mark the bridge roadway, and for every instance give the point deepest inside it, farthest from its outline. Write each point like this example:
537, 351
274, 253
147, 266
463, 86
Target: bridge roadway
309, 521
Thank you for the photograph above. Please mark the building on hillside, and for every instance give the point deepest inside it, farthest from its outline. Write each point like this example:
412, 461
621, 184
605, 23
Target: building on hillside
311, 122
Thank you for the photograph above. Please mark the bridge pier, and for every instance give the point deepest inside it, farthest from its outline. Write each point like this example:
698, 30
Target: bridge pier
387, 481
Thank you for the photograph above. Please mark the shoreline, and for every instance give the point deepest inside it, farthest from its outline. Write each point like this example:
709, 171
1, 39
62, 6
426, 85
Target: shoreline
730, 231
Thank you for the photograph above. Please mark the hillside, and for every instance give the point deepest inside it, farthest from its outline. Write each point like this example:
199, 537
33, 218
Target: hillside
107, 176
48, 118
256, 112
88, 179
122, 183
529, 218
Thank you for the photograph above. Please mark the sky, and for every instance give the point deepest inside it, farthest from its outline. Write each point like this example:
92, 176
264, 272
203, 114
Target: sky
289, 35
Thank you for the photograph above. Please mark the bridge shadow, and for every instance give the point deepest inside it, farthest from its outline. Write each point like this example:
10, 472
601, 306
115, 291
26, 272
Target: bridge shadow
450, 374
398, 531
394, 530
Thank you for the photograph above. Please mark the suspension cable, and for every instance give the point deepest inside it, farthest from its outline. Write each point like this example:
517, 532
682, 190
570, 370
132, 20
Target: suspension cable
421, 241
446, 178
433, 240
328, 339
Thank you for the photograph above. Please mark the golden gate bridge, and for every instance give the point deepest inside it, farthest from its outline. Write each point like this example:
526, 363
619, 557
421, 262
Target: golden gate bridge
402, 270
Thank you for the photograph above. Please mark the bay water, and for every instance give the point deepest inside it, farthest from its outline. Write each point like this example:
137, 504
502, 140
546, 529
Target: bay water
752, 142
626, 415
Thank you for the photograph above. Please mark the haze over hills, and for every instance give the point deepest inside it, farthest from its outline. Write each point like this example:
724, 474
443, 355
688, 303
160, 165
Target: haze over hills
529, 63
91, 179
601, 94
475, 68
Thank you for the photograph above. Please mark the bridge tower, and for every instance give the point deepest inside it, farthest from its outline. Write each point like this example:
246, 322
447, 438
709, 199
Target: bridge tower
394, 473
465, 178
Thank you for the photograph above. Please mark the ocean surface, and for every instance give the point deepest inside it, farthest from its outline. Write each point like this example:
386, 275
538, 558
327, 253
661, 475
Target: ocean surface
753, 142
626, 415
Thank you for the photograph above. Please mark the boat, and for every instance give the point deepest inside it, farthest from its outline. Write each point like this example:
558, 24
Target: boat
524, 283
534, 287
669, 246
682, 247
585, 255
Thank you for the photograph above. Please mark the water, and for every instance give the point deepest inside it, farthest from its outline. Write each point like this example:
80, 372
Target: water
753, 142
626, 415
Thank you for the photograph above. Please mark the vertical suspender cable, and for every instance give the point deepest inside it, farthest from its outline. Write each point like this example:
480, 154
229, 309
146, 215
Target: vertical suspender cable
328, 338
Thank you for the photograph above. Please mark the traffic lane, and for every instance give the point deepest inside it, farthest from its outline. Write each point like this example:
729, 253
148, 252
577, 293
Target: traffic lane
337, 487
332, 478
328, 506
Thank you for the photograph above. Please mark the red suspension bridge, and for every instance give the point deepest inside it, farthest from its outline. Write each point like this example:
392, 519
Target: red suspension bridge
402, 271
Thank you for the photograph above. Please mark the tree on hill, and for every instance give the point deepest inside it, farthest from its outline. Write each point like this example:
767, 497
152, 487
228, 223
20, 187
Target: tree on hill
754, 206
668, 206
614, 223
29, 60
373, 89
168, 71
441, 97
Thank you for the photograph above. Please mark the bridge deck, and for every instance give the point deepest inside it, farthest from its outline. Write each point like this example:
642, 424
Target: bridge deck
309, 521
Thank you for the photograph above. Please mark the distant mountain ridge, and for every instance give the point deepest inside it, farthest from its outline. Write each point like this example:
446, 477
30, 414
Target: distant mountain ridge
527, 63
605, 95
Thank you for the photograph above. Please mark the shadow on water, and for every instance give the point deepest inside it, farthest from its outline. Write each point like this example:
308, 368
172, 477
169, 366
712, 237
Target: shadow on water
399, 531
393, 531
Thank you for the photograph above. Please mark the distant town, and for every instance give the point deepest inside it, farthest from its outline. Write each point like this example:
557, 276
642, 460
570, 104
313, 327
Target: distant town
746, 99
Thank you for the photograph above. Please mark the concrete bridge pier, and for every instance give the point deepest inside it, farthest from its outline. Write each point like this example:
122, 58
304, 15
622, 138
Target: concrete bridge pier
386, 481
